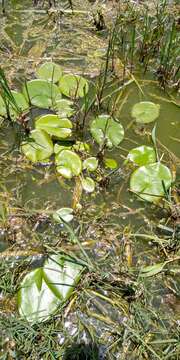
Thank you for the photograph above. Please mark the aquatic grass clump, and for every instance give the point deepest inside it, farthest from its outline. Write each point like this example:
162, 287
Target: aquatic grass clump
53, 3
146, 37
12, 103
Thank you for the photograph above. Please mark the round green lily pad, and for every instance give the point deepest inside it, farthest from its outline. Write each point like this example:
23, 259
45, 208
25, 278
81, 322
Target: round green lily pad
105, 129
20, 100
38, 147
147, 181
44, 289
90, 164
145, 112
49, 71
88, 184
61, 274
68, 164
63, 214
41, 93
142, 155
73, 86
110, 163
36, 301
64, 107
54, 125
78, 147
58, 148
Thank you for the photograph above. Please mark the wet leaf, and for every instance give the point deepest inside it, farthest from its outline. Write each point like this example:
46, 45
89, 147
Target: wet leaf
42, 93
63, 214
142, 155
90, 164
105, 129
49, 71
54, 126
88, 184
73, 86
61, 275
68, 164
152, 270
39, 147
145, 112
110, 163
36, 301
64, 108
147, 181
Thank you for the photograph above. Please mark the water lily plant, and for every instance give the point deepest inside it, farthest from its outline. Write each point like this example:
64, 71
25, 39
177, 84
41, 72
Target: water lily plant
52, 134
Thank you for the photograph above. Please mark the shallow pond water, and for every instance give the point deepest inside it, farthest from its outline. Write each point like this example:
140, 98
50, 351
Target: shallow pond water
29, 36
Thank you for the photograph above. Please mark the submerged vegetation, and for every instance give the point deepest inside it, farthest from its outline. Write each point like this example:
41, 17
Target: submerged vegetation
89, 191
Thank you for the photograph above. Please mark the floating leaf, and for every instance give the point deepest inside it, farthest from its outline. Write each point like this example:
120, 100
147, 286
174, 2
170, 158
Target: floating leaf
142, 155
63, 214
61, 275
58, 148
152, 270
54, 125
64, 107
36, 303
44, 289
20, 100
105, 129
49, 71
39, 146
147, 181
68, 164
73, 86
110, 163
42, 93
88, 184
69, 145
145, 112
90, 164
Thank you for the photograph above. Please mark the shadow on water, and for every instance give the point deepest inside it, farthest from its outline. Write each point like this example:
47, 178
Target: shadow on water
84, 352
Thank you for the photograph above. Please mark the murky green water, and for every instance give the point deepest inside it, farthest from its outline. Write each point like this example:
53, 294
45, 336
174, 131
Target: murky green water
30, 36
